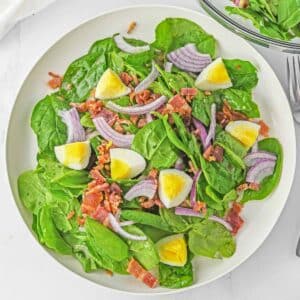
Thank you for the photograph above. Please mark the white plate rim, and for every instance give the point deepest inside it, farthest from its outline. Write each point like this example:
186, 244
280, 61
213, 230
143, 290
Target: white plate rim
170, 291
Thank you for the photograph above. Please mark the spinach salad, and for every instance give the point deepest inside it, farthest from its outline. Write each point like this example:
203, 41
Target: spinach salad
147, 155
278, 19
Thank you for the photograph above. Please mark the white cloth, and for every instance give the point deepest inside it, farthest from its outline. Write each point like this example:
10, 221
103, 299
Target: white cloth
12, 11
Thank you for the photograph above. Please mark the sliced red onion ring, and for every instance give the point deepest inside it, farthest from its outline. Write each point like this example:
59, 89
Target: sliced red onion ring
168, 66
146, 188
254, 157
189, 59
179, 164
254, 147
182, 211
212, 127
118, 229
120, 140
149, 117
193, 194
202, 132
221, 221
71, 118
143, 85
137, 109
126, 47
260, 170
92, 134
126, 223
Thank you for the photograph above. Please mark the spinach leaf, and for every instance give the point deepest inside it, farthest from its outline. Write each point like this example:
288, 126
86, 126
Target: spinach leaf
211, 239
222, 176
153, 233
106, 241
47, 124
145, 218
159, 87
173, 33
82, 76
175, 222
269, 183
176, 277
144, 251
103, 46
243, 73
153, 143
289, 13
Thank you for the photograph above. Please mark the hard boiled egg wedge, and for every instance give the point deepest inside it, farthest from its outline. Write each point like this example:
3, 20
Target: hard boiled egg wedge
214, 77
245, 131
172, 250
125, 163
75, 155
174, 186
110, 86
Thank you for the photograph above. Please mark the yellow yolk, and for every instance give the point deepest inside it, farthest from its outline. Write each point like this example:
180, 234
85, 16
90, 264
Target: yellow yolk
173, 250
75, 153
172, 185
218, 74
119, 169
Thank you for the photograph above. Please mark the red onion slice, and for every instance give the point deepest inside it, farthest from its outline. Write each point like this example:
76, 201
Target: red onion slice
189, 59
126, 223
91, 134
146, 188
126, 47
221, 221
254, 157
212, 127
260, 170
137, 109
193, 194
71, 118
168, 67
182, 211
143, 85
118, 139
118, 229
201, 132
149, 118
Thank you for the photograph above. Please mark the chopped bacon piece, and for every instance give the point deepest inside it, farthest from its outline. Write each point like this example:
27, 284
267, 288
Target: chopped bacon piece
134, 119
214, 153
131, 27
141, 123
233, 217
192, 167
70, 214
179, 105
55, 81
264, 128
248, 186
188, 93
115, 188
135, 269
153, 174
126, 78
96, 175
101, 215
227, 115
143, 97
200, 206
90, 202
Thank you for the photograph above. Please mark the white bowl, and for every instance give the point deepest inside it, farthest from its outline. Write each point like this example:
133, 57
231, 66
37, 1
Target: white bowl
260, 217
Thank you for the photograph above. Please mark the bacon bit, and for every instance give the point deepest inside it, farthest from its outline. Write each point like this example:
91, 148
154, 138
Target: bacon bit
80, 221
101, 215
131, 27
192, 167
135, 269
109, 116
264, 128
228, 115
141, 123
90, 202
55, 81
200, 206
132, 96
153, 174
70, 215
233, 217
94, 107
96, 175
134, 119
214, 153
126, 78
143, 97
248, 186
188, 93
119, 128
179, 105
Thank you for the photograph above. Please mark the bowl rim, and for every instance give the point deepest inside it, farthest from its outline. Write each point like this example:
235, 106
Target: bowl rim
47, 252
262, 40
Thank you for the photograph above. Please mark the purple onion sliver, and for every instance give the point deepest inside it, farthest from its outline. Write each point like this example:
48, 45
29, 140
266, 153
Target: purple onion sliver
221, 221
143, 85
202, 132
168, 67
212, 127
146, 188
182, 211
124, 46
126, 223
254, 157
149, 117
193, 194
137, 109
260, 170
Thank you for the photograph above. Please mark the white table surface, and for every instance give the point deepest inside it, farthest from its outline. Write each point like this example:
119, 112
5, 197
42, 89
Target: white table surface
27, 272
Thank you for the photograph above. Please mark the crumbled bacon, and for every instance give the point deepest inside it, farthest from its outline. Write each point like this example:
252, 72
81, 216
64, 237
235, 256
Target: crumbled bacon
143, 97
178, 104
126, 78
70, 214
134, 119
94, 107
248, 186
233, 217
55, 81
200, 206
109, 116
131, 27
188, 93
135, 269
101, 215
264, 128
141, 123
227, 115
103, 157
214, 153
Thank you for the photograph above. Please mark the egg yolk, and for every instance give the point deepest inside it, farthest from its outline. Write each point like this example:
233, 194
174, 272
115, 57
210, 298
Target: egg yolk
218, 74
247, 136
74, 153
119, 169
174, 252
173, 184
